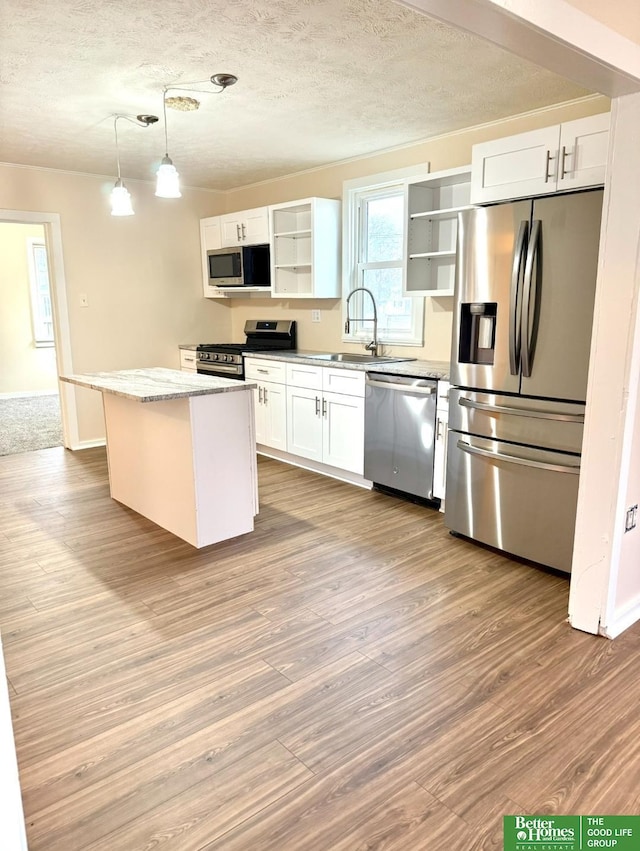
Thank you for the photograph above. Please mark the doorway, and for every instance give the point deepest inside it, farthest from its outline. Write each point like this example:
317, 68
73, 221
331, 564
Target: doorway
37, 409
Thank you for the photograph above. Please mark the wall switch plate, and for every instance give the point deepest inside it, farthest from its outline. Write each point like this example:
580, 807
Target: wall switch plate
631, 518
84, 300
315, 316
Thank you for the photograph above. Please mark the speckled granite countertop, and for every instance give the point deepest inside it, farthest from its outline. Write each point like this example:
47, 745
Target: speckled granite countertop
156, 384
413, 368
190, 346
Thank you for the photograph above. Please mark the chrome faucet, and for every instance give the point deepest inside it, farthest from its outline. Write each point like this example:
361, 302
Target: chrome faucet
373, 345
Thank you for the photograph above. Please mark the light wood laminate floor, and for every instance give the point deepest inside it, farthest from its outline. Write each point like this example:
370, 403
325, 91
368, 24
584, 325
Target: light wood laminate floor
348, 676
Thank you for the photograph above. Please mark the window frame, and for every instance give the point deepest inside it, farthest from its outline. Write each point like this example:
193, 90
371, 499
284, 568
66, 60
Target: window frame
355, 192
37, 320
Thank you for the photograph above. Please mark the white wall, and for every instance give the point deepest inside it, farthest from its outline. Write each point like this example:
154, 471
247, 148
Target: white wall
25, 367
141, 275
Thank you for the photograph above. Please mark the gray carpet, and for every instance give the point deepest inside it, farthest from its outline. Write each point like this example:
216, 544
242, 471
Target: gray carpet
28, 423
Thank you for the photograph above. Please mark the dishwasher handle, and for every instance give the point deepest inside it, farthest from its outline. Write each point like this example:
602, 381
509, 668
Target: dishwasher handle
415, 389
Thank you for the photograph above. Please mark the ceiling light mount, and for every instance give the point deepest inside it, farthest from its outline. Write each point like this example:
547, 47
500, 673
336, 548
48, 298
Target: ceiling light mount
223, 80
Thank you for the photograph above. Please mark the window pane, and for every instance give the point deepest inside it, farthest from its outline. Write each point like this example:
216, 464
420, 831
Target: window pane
384, 237
394, 311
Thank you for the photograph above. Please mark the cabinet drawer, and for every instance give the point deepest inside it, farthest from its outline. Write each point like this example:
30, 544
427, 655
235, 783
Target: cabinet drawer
347, 381
188, 359
265, 370
304, 375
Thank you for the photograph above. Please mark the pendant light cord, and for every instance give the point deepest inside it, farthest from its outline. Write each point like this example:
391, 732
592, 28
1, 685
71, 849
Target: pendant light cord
115, 128
164, 112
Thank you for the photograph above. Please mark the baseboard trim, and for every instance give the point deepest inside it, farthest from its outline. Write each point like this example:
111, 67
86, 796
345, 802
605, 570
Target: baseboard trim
315, 466
87, 444
27, 393
628, 616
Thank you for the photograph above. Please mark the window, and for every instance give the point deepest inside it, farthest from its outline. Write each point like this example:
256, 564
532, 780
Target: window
40, 293
374, 257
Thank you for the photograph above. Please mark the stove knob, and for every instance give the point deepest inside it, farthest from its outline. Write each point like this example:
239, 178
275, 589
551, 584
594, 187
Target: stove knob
214, 356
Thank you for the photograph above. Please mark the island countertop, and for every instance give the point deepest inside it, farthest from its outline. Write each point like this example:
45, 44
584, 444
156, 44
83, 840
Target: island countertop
156, 384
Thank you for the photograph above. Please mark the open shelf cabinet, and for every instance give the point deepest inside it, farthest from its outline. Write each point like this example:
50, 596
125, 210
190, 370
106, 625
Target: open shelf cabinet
432, 207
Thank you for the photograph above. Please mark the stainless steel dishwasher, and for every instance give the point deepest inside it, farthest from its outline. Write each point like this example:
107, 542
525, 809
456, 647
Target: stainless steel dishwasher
399, 432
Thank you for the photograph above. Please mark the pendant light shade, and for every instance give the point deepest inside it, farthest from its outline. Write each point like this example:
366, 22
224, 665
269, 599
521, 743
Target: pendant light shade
121, 200
167, 177
168, 180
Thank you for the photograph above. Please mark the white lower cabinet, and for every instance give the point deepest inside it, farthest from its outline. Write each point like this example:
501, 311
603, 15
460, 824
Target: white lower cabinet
188, 360
270, 401
325, 415
326, 427
441, 439
271, 415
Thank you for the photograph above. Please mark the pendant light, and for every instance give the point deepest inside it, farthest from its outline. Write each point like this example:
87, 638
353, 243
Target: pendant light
120, 198
168, 179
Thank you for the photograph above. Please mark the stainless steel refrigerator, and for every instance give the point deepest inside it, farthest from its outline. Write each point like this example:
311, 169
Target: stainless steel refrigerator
523, 312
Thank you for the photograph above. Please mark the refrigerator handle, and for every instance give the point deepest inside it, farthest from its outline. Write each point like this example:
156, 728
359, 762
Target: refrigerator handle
516, 459
528, 333
514, 317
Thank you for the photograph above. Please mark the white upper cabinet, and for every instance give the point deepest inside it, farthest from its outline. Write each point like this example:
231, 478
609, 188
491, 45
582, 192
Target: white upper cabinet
210, 240
431, 225
305, 249
248, 227
557, 158
584, 145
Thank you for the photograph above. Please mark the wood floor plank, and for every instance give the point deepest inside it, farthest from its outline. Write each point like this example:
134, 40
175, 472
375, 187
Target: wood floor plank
348, 676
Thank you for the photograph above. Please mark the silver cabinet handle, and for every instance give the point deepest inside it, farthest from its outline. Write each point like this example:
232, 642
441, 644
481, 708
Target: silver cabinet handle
244, 231
526, 332
563, 159
262, 371
259, 395
264, 395
521, 412
324, 407
512, 459
188, 360
238, 234
317, 407
416, 390
514, 317
547, 176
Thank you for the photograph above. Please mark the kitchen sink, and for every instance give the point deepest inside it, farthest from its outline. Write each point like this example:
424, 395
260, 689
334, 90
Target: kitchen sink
353, 357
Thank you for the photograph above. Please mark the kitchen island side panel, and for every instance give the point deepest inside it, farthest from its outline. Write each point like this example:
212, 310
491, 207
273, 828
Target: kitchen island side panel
186, 464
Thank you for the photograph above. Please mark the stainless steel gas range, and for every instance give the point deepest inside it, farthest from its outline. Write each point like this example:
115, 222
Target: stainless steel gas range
226, 359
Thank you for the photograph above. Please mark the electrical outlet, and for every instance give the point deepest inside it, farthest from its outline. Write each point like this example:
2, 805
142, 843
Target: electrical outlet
315, 316
84, 300
631, 518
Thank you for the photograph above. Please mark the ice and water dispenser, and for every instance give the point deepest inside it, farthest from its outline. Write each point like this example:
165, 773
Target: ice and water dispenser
477, 332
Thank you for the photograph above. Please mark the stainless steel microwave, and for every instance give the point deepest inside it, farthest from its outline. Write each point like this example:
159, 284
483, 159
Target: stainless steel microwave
246, 266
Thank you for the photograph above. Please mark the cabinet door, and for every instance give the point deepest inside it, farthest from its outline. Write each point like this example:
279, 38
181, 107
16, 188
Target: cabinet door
231, 230
515, 167
440, 454
254, 226
210, 239
584, 145
343, 431
274, 409
304, 422
261, 415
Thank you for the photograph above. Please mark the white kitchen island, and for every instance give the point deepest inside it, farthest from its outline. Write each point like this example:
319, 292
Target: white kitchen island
181, 449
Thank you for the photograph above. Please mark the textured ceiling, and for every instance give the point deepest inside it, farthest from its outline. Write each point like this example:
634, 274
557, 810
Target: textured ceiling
318, 82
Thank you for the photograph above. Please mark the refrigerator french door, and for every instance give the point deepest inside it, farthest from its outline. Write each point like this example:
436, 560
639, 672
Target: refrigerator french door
525, 287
